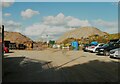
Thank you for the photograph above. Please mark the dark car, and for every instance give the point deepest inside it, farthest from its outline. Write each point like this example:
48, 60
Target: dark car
105, 49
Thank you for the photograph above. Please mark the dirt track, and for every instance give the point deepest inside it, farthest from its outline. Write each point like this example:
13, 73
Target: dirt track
53, 65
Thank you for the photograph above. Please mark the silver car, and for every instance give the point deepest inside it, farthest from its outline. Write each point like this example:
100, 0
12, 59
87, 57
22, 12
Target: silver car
115, 53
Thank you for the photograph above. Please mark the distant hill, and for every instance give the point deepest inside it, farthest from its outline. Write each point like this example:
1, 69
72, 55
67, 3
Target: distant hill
82, 32
16, 37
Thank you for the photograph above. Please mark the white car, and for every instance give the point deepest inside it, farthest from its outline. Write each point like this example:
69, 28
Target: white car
87, 47
56, 46
93, 48
90, 48
115, 53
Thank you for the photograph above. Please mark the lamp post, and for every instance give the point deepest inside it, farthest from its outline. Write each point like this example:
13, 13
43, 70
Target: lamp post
47, 40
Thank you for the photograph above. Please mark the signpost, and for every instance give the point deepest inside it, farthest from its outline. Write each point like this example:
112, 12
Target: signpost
1, 50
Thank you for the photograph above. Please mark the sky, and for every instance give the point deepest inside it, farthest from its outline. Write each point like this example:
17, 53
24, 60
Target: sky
49, 20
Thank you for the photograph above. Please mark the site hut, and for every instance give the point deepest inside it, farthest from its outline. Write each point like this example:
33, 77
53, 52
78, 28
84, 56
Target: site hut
29, 45
38, 45
21, 46
35, 45
12, 46
6, 43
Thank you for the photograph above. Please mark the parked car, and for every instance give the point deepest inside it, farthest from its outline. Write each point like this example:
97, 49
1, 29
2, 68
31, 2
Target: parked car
85, 47
6, 50
93, 47
115, 53
105, 49
56, 46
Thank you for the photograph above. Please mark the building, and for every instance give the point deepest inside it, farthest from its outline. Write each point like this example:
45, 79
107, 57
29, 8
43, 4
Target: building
12, 46
29, 45
21, 46
6, 43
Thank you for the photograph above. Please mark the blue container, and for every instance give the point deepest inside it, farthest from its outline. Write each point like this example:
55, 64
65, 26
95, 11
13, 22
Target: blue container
75, 45
72, 44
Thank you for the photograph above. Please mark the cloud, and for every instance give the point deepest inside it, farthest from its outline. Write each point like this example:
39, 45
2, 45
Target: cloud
110, 27
54, 26
40, 31
12, 26
7, 3
55, 20
35, 29
61, 20
28, 13
77, 23
7, 14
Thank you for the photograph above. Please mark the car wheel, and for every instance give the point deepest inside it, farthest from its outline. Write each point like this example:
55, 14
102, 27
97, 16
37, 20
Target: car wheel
111, 57
106, 53
91, 51
95, 50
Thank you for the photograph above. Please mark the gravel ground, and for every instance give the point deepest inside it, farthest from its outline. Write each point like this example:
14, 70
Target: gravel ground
53, 65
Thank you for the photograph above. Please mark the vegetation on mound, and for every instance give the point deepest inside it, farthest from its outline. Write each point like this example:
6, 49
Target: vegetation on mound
100, 39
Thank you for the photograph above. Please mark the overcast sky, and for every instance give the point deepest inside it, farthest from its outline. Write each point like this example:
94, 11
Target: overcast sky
52, 19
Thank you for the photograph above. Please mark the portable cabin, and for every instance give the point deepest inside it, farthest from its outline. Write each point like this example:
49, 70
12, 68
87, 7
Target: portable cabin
12, 46
21, 46
6, 43
75, 45
29, 45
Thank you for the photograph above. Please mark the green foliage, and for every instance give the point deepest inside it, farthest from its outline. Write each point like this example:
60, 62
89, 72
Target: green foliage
68, 40
100, 39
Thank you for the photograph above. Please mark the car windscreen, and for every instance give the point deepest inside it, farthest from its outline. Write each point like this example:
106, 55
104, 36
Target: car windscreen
101, 44
111, 43
86, 44
105, 45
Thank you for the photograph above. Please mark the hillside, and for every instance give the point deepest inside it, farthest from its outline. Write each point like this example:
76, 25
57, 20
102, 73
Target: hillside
114, 36
82, 32
16, 37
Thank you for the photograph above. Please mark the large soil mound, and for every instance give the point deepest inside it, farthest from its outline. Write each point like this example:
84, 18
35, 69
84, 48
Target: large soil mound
81, 32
